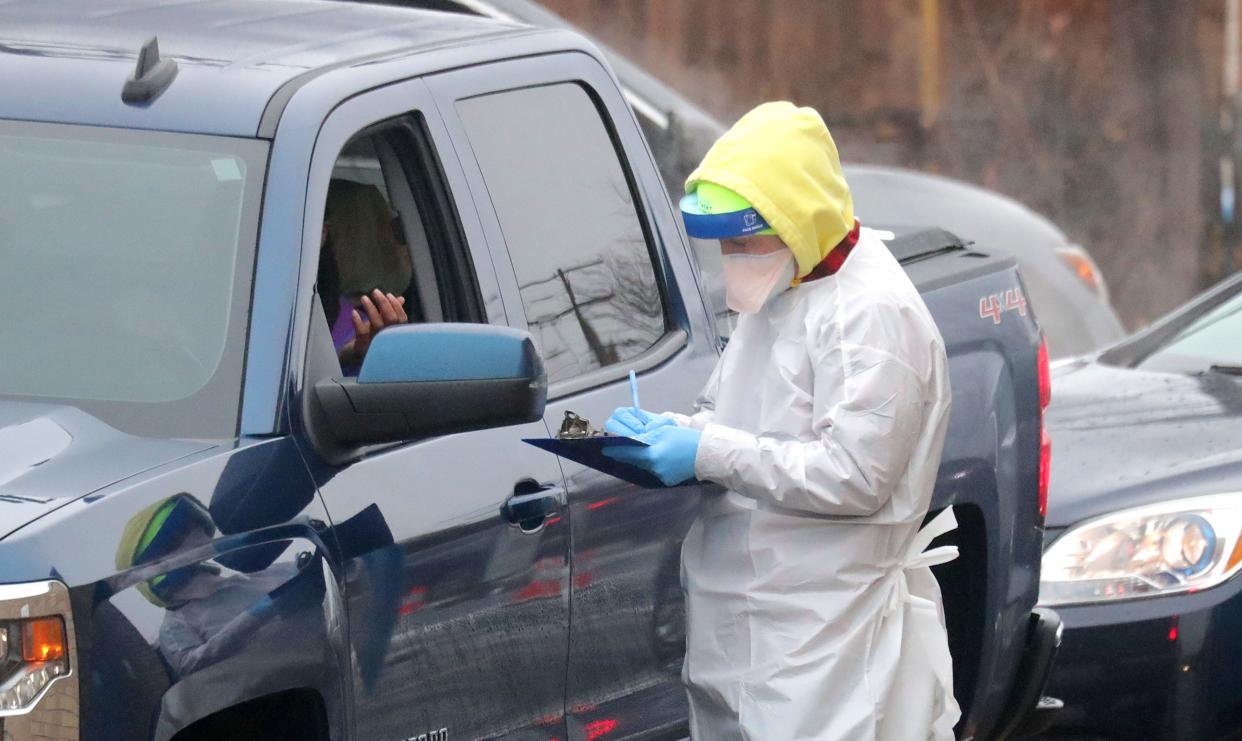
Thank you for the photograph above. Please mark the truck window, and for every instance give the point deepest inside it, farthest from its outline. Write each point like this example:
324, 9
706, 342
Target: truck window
568, 213
384, 229
125, 264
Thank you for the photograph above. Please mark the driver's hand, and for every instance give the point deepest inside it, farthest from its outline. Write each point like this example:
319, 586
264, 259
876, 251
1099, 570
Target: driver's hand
382, 310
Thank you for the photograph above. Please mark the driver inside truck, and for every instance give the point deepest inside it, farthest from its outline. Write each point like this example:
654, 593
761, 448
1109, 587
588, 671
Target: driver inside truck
365, 271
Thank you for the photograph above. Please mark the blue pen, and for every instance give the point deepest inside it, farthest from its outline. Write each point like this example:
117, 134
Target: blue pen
634, 391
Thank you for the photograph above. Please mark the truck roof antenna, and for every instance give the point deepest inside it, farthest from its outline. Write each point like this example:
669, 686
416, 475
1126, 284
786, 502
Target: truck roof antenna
151, 77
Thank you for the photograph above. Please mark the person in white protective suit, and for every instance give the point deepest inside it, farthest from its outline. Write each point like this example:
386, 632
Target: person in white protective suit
812, 613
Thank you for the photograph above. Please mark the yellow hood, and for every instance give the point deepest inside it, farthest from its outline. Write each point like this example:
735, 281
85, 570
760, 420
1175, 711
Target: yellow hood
782, 159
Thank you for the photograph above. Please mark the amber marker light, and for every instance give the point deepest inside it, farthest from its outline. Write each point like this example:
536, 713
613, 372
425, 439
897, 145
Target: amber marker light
43, 639
1236, 556
1079, 261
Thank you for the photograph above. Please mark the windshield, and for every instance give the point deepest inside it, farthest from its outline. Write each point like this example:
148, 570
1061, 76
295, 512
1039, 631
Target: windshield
1195, 338
1213, 337
125, 264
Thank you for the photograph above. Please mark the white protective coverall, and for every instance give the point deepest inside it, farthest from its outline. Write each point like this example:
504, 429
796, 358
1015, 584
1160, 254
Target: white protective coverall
812, 613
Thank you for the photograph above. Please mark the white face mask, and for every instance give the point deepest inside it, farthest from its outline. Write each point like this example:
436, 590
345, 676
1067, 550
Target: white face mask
750, 280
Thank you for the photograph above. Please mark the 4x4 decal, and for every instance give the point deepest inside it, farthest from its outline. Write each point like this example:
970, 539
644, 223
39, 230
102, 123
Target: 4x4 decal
997, 304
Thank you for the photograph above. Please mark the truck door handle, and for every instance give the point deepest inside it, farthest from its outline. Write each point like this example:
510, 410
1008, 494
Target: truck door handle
532, 504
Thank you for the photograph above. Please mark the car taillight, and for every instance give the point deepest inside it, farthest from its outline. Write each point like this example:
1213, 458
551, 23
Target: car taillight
1045, 444
1045, 376
1045, 460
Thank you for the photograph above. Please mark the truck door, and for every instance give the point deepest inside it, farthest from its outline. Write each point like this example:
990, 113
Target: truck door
576, 226
457, 618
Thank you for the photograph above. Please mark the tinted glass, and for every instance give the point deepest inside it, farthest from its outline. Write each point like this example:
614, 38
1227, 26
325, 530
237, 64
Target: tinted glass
1212, 338
126, 270
568, 215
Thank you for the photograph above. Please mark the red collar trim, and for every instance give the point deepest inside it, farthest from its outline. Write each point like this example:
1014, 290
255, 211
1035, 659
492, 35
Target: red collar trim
836, 256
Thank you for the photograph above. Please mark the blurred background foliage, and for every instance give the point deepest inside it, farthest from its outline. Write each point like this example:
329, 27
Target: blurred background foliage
1114, 118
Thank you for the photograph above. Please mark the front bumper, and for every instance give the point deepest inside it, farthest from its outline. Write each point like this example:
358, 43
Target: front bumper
1163, 668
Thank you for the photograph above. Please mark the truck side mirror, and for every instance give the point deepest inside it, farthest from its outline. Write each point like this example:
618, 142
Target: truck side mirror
420, 380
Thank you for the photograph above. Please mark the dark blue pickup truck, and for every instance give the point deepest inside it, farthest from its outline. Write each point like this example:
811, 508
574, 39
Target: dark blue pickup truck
229, 509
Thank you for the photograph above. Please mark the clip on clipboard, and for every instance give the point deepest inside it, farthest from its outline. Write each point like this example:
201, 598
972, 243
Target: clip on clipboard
580, 444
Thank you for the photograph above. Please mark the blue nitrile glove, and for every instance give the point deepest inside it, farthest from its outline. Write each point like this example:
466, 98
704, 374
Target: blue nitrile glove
628, 422
669, 455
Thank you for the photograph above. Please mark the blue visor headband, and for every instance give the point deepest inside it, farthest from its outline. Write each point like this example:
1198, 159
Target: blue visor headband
720, 226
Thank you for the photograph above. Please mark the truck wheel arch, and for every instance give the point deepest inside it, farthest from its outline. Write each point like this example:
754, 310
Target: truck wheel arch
295, 713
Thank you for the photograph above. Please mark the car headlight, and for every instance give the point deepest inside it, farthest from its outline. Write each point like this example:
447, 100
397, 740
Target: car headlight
36, 644
1177, 546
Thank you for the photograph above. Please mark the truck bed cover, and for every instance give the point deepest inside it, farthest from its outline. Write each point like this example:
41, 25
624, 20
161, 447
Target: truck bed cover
918, 250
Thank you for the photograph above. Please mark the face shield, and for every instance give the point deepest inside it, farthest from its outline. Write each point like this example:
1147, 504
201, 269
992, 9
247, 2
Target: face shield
755, 264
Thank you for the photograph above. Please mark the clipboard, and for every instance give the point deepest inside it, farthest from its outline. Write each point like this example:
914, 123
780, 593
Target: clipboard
589, 451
